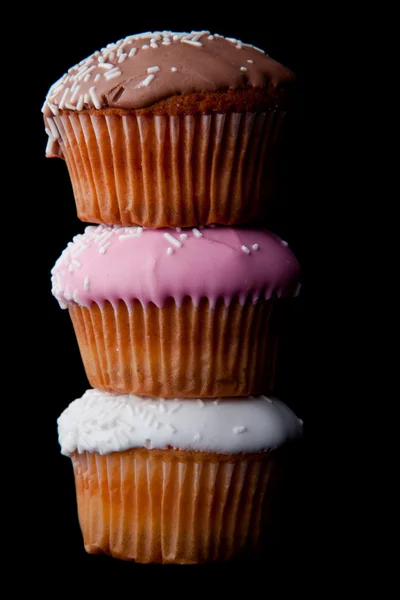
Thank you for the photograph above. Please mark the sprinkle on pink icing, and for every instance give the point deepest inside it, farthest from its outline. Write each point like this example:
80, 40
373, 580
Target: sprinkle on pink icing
132, 263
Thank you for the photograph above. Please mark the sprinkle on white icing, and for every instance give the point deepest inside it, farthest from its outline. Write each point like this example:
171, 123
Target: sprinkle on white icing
255, 246
103, 422
246, 249
197, 233
239, 429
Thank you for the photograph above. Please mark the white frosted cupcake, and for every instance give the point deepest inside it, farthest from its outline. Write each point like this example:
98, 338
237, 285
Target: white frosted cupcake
165, 481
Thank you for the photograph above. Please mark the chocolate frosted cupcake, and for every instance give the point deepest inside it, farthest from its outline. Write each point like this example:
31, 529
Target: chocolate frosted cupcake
177, 313
170, 129
176, 481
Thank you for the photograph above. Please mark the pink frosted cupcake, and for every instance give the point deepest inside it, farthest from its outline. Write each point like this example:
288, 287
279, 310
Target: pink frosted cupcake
171, 313
170, 129
176, 481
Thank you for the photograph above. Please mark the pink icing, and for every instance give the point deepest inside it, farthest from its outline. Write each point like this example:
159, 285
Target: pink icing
113, 263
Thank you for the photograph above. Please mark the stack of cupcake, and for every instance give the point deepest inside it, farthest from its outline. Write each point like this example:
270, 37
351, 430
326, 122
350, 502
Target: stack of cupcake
170, 141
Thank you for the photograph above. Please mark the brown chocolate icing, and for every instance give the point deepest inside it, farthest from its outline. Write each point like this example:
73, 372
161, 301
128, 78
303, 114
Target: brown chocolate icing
144, 69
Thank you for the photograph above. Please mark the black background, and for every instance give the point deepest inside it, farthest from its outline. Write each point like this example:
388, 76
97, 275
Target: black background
54, 374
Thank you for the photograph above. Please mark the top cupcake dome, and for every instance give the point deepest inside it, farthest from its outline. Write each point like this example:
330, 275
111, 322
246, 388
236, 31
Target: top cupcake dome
170, 129
143, 69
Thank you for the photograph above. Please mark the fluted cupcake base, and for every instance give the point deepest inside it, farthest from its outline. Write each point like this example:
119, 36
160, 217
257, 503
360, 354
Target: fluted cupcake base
180, 351
169, 506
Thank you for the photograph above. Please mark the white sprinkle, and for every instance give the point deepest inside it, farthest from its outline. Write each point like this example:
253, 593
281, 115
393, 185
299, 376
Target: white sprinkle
153, 69
173, 240
174, 69
107, 66
75, 94
176, 406
191, 42
161, 408
268, 399
53, 108
197, 437
255, 246
197, 233
87, 77
122, 58
71, 269
284, 243
210, 37
233, 40
216, 402
94, 97
81, 102
297, 292
170, 250
86, 284
101, 60
250, 61
97, 77
173, 429
112, 74
145, 47
154, 45
178, 229
147, 444
53, 128
166, 42
103, 249
63, 98
243, 68
200, 403
111, 56
132, 52
183, 236
76, 263
239, 45
75, 297
239, 429
70, 106
146, 81
246, 249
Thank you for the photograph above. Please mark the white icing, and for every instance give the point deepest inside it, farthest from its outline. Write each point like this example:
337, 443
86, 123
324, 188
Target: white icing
103, 422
